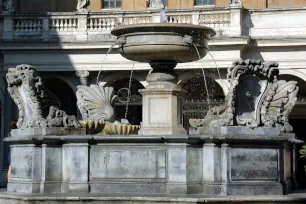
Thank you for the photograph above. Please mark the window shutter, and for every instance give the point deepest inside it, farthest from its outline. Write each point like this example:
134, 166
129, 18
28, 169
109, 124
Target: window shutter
222, 3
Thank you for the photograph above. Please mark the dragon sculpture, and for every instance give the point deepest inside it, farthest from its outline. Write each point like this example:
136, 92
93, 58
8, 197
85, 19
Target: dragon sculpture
37, 106
271, 107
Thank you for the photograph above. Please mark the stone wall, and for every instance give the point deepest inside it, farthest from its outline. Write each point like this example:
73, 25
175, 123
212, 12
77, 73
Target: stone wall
38, 6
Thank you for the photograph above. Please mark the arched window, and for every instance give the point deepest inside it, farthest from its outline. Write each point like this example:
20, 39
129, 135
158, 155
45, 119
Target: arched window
204, 2
111, 4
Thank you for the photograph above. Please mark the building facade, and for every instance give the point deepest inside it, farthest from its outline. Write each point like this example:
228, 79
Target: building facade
69, 47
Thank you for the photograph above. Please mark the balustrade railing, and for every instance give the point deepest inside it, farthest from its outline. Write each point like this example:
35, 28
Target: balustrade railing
76, 24
28, 25
215, 19
179, 18
129, 20
63, 24
96, 23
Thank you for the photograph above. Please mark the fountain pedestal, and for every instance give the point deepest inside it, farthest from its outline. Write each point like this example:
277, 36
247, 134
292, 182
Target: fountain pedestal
162, 101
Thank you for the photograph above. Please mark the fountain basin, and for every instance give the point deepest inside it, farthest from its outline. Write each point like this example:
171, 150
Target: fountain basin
163, 42
120, 129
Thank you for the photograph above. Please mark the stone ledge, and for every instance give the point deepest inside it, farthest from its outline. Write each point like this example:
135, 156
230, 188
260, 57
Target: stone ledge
13, 198
39, 131
243, 138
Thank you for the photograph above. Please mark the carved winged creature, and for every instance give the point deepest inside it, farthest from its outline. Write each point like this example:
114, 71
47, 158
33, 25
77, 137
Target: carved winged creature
35, 103
95, 102
271, 106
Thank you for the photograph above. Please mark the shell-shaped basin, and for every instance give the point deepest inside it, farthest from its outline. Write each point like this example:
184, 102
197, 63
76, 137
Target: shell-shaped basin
92, 127
163, 41
121, 129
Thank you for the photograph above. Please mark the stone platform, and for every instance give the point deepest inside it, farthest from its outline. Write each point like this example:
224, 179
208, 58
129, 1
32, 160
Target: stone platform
223, 162
80, 198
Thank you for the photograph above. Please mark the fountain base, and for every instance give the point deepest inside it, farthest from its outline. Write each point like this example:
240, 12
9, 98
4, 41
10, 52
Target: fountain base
217, 163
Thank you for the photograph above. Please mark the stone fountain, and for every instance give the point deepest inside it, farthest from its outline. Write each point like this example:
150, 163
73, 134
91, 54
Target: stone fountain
163, 46
241, 148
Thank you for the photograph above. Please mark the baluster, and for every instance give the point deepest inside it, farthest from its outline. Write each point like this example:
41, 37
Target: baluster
25, 25
69, 24
31, 25
17, 25
112, 23
38, 26
51, 23
55, 26
74, 25
97, 24
92, 25
104, 24
62, 27
21, 25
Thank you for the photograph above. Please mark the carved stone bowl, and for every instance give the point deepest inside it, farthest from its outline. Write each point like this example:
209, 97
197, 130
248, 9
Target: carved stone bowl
163, 41
92, 127
120, 129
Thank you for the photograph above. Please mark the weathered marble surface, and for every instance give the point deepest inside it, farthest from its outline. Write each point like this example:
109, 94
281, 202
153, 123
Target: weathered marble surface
210, 164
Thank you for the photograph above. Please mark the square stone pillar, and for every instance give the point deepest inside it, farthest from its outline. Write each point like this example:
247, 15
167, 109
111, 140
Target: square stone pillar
161, 112
51, 175
75, 167
177, 169
25, 169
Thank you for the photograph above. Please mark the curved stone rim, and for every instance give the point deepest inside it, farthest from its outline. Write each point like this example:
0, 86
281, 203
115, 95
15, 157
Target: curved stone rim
162, 27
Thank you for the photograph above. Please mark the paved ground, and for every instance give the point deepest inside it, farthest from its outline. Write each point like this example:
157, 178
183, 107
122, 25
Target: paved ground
8, 198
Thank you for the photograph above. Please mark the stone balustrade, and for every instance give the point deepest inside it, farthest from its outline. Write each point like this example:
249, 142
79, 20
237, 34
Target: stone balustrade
80, 26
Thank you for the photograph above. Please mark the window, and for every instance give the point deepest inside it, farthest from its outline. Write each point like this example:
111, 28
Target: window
204, 2
111, 4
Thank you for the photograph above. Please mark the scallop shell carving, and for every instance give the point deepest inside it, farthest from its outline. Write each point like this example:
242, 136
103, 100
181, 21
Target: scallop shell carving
95, 102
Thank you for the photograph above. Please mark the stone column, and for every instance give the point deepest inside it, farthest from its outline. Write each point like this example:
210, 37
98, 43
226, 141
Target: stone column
161, 107
83, 75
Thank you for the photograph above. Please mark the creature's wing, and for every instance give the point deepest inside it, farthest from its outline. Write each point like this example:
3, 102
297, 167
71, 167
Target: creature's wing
281, 104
